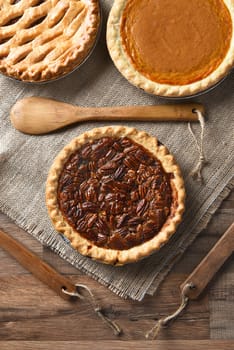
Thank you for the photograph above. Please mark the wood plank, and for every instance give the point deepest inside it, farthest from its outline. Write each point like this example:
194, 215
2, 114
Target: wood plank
119, 345
29, 311
221, 302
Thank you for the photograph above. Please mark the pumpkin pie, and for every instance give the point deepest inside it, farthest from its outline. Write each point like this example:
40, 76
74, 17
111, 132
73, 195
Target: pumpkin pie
172, 47
44, 40
116, 193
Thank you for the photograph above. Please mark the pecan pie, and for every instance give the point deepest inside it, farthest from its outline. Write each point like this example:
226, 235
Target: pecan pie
172, 47
116, 194
41, 40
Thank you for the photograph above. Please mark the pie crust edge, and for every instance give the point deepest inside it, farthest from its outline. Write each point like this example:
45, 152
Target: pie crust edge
123, 64
74, 57
81, 244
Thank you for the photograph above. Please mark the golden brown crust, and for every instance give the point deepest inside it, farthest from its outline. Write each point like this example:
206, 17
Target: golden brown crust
124, 65
111, 256
63, 37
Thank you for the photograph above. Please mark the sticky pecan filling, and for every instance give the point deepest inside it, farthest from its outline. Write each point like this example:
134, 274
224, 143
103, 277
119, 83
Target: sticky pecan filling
115, 193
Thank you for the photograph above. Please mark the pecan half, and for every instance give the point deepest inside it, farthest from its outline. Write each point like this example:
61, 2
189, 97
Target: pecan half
114, 193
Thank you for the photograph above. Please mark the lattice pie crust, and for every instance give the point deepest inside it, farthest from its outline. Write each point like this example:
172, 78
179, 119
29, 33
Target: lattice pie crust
43, 40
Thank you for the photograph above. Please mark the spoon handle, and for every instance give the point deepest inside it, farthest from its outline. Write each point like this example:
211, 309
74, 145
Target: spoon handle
157, 113
36, 115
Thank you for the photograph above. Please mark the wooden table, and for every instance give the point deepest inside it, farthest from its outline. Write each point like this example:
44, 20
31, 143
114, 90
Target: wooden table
34, 317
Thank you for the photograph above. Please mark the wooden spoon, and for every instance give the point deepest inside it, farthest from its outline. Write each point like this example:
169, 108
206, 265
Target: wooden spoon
36, 115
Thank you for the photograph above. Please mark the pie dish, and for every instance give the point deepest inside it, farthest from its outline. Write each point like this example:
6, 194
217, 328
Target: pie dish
172, 47
116, 193
43, 40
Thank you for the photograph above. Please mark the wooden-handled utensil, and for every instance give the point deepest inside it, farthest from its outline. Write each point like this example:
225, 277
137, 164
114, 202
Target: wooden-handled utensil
199, 278
36, 115
190, 289
212, 262
197, 281
36, 266
45, 273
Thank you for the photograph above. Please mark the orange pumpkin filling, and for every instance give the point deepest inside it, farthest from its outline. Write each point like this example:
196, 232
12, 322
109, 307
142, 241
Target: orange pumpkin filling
176, 42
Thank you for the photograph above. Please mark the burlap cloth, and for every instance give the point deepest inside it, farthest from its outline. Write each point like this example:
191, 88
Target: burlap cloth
97, 83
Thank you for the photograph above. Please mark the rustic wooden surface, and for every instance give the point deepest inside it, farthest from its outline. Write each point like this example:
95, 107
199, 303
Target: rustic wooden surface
34, 317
